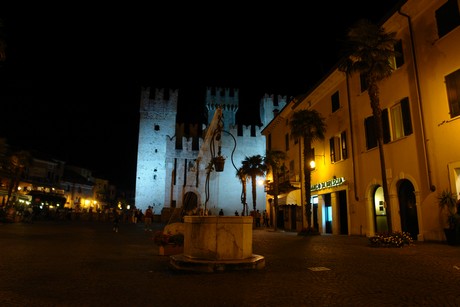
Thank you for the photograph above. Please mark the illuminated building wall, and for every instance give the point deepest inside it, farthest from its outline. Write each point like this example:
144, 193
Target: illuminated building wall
421, 110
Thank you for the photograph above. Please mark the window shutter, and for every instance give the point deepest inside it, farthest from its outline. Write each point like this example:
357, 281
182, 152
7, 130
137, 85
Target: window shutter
386, 127
369, 126
405, 110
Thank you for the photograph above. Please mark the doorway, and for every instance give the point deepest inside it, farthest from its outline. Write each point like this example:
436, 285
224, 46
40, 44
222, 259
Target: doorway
343, 212
408, 208
380, 211
328, 212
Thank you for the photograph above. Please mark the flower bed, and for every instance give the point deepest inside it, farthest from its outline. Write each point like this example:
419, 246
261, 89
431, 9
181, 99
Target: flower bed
394, 239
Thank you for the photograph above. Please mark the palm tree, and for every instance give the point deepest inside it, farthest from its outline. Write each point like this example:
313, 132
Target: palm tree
274, 160
18, 162
254, 166
308, 125
368, 51
243, 179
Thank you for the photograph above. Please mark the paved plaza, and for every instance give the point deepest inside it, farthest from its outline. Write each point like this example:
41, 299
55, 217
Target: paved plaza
87, 264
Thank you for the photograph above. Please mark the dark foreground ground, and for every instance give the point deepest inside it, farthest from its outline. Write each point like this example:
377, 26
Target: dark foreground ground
86, 264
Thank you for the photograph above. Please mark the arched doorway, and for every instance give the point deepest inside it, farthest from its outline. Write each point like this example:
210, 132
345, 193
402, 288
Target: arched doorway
408, 208
380, 211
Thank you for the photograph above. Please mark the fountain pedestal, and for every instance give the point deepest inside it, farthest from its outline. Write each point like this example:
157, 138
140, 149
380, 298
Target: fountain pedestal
217, 243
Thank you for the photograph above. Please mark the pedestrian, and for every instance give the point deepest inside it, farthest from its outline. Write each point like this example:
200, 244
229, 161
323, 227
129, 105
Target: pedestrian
265, 218
116, 220
221, 212
236, 213
257, 216
148, 216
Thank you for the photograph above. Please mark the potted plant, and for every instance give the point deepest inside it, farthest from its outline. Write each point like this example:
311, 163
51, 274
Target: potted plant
219, 163
448, 202
168, 243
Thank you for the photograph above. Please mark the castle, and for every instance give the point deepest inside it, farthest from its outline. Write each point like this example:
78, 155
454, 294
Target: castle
173, 157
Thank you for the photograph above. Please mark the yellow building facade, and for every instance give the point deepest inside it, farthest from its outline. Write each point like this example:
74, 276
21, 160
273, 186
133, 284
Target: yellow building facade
421, 113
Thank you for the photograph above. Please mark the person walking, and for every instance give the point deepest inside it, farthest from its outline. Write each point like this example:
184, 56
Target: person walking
265, 218
148, 216
257, 216
221, 212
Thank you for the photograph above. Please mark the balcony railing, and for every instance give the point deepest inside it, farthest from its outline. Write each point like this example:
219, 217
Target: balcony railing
284, 187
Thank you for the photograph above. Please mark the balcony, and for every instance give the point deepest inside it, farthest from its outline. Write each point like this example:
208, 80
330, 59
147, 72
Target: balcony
284, 187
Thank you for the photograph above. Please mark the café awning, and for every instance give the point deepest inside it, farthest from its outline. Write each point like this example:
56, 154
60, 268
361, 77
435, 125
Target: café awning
292, 198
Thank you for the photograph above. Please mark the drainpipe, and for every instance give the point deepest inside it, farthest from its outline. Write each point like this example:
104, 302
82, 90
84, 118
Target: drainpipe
355, 185
417, 83
304, 216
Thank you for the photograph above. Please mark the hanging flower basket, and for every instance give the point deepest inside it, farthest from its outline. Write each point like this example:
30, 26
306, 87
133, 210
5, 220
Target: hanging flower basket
219, 163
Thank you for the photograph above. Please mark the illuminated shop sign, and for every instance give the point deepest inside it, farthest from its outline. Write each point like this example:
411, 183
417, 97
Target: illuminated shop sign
328, 184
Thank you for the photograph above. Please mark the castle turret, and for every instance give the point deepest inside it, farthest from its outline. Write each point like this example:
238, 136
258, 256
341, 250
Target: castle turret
157, 125
270, 105
227, 100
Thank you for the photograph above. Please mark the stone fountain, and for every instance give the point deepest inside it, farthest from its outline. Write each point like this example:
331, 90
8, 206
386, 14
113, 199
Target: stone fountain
217, 243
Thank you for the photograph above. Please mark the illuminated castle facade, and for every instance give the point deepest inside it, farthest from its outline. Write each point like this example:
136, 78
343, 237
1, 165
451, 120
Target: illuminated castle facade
172, 158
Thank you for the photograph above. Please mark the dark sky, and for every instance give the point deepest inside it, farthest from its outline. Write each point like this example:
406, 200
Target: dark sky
71, 83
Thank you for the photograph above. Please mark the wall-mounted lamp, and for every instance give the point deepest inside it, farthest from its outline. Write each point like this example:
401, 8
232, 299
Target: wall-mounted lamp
313, 162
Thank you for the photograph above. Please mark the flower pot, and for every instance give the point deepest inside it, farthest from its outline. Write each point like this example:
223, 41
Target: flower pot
219, 163
170, 249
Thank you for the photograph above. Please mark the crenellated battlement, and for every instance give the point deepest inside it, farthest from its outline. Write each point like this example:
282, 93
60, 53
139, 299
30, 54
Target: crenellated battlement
187, 135
163, 99
225, 97
227, 100
170, 168
270, 105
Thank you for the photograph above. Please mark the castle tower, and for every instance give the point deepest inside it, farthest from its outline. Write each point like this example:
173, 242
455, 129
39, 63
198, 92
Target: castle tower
227, 99
157, 126
271, 105
171, 165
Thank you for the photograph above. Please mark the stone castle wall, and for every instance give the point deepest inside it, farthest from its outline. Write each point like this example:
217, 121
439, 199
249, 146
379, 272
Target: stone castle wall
170, 177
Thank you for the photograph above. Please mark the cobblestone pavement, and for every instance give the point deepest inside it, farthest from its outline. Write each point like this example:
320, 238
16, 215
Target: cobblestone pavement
86, 264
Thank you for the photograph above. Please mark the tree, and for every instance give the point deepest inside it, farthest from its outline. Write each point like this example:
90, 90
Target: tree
274, 160
368, 51
18, 162
254, 166
243, 179
309, 126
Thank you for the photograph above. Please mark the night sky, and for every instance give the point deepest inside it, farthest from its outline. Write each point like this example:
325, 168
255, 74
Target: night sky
71, 82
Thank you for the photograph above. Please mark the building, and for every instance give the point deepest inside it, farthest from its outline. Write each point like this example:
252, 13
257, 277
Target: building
173, 158
50, 186
421, 112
